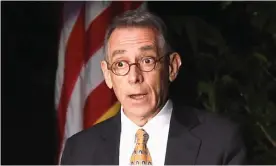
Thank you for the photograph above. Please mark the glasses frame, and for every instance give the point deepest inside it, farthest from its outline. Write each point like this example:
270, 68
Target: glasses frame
156, 60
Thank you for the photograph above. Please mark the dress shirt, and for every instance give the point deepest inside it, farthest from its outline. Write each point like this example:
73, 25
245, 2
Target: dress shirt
157, 128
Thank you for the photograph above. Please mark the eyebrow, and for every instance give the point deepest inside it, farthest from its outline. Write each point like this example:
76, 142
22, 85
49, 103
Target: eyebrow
116, 52
147, 48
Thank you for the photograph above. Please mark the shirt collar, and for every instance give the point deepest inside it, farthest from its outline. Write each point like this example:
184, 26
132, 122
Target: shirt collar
158, 122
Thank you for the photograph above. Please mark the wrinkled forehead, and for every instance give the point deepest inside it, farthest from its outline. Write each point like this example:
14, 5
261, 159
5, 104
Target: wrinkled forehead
132, 39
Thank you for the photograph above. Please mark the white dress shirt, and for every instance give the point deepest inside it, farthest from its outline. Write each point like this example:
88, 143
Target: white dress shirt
157, 128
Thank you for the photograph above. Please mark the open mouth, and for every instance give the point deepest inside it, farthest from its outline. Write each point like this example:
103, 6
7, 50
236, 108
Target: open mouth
137, 96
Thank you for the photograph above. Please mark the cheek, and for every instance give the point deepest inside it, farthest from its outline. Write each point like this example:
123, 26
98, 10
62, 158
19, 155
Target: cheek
158, 85
118, 87
155, 84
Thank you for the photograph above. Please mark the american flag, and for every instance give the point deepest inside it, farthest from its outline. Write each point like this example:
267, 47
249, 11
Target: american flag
82, 99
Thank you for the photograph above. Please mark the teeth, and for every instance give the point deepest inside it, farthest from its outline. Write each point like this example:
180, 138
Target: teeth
137, 96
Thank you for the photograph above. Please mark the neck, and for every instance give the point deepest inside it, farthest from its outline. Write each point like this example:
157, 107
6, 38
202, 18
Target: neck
142, 120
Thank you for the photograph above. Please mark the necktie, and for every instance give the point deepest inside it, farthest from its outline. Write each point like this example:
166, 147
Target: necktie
141, 155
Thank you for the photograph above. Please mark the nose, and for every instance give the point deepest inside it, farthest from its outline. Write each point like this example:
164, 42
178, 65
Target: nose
134, 75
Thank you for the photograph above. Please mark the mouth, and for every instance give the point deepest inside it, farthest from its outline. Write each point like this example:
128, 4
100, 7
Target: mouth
139, 96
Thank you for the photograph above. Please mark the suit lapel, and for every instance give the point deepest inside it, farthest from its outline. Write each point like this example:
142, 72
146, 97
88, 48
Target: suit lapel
110, 136
183, 146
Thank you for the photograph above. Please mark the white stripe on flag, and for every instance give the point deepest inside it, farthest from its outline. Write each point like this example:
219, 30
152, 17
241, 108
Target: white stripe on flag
87, 81
93, 72
93, 9
71, 12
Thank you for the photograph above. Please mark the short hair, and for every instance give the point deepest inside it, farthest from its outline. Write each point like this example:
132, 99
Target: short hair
140, 18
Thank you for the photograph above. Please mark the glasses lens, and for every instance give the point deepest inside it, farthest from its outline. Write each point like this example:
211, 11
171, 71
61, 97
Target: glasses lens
147, 63
120, 67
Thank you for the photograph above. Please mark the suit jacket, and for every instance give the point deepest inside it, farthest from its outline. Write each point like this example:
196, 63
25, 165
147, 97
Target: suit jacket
195, 138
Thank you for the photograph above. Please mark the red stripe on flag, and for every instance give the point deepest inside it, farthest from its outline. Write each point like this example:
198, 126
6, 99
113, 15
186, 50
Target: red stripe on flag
94, 108
74, 58
97, 103
96, 31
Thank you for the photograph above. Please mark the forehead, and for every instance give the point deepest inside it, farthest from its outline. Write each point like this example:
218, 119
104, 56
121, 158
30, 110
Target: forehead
131, 38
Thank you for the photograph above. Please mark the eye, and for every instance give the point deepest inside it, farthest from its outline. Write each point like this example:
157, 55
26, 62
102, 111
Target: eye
148, 60
120, 64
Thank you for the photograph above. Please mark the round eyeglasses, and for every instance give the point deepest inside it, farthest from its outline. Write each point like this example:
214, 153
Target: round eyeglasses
145, 64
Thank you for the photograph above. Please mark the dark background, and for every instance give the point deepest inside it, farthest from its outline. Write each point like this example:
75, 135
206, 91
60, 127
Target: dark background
29, 60
30, 32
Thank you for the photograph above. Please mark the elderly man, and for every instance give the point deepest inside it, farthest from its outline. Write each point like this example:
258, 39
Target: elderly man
150, 129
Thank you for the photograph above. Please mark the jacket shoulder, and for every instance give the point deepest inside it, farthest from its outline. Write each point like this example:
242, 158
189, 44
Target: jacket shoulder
212, 117
94, 131
222, 136
78, 146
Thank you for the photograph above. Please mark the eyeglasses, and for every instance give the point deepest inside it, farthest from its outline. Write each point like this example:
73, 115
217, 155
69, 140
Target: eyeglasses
145, 64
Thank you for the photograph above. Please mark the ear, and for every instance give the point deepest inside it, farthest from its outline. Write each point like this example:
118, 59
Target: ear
174, 65
106, 74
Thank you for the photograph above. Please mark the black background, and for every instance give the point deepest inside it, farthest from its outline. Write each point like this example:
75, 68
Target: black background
29, 60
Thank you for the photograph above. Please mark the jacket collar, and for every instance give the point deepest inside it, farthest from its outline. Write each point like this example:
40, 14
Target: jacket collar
182, 146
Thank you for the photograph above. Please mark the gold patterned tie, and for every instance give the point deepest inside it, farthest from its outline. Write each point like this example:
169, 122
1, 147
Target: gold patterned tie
141, 155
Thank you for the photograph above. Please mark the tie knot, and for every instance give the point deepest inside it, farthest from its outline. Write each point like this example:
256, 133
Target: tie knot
142, 136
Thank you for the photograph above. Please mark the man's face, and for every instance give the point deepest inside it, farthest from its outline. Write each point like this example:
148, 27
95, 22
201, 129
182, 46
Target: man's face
140, 93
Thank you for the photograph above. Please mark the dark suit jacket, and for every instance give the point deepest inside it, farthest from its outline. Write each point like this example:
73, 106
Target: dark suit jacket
195, 137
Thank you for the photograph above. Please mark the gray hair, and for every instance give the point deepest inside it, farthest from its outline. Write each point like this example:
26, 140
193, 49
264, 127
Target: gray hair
139, 18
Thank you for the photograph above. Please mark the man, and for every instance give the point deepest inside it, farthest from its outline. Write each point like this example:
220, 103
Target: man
150, 128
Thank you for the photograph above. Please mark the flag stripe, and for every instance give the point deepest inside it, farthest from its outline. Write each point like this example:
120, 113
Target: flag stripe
98, 102
92, 73
111, 112
70, 13
93, 9
95, 40
89, 79
73, 62
96, 32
